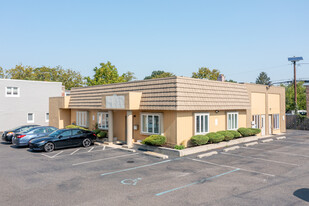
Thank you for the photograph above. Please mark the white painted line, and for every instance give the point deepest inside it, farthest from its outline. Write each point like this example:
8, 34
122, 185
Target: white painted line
91, 149
267, 160
56, 154
251, 171
250, 144
271, 151
134, 168
91, 161
74, 151
267, 140
208, 154
279, 138
197, 182
46, 155
230, 148
103, 147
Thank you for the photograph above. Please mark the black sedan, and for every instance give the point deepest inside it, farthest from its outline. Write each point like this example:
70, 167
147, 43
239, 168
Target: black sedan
7, 135
63, 138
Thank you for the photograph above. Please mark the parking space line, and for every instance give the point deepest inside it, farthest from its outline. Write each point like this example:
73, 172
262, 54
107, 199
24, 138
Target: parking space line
197, 182
134, 168
286, 153
228, 166
74, 151
103, 147
97, 160
91, 149
56, 154
46, 155
267, 160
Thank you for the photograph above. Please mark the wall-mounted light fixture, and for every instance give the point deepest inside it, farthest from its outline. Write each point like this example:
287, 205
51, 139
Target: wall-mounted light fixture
217, 111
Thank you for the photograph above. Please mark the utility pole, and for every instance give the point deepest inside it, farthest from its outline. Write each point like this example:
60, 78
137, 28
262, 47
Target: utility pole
294, 60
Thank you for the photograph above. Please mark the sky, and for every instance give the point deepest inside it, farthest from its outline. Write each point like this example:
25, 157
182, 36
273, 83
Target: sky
239, 38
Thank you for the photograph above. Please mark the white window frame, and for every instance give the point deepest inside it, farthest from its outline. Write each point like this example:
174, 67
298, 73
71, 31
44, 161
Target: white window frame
30, 121
227, 120
103, 125
276, 121
46, 119
82, 118
160, 129
200, 124
256, 119
12, 93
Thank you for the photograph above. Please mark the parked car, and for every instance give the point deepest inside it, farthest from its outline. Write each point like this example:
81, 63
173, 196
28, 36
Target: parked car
7, 135
23, 138
63, 138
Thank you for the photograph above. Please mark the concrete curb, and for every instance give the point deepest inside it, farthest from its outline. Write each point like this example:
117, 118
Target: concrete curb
114, 146
267, 140
279, 138
158, 155
250, 144
231, 148
207, 154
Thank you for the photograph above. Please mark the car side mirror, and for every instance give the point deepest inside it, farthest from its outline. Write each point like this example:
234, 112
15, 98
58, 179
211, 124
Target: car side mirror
60, 136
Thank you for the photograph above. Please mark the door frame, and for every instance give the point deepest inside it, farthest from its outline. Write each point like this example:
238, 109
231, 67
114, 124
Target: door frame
263, 125
270, 126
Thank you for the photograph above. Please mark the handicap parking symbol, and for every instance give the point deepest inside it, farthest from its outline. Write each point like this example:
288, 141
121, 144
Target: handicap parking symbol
130, 181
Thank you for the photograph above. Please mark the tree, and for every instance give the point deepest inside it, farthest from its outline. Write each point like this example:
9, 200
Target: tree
230, 80
128, 76
159, 74
301, 96
108, 74
206, 73
69, 78
2, 75
263, 79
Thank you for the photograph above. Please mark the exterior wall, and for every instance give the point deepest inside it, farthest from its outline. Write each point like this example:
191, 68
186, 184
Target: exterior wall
119, 118
58, 116
33, 98
307, 100
274, 104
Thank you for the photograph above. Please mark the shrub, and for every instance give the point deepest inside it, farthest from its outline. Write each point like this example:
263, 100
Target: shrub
199, 139
156, 140
255, 131
102, 134
227, 135
215, 137
245, 132
235, 133
97, 131
179, 147
75, 126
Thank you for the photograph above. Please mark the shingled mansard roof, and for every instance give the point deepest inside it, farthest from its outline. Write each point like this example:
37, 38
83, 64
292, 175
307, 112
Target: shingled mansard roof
173, 93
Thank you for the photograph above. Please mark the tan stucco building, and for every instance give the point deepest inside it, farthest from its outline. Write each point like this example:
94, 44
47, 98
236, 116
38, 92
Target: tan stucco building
176, 107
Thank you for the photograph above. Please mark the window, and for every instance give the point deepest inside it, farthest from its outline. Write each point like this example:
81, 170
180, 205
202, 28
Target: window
66, 133
102, 120
12, 92
30, 118
232, 120
77, 132
256, 120
201, 123
49, 130
38, 131
151, 123
82, 119
276, 121
46, 117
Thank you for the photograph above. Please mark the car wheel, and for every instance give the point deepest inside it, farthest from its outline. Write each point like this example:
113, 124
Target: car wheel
86, 142
49, 147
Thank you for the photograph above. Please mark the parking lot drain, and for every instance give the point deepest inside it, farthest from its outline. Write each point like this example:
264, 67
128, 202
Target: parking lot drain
130, 161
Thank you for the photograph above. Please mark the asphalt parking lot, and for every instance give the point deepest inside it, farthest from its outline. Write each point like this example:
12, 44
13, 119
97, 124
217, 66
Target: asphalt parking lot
273, 173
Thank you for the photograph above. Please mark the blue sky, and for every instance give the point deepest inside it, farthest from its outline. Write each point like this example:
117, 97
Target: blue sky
240, 38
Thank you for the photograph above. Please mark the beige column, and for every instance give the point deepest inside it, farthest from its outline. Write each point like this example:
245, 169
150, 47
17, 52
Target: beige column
110, 126
129, 129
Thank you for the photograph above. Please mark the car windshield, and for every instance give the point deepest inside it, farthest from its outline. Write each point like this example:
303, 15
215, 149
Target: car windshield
29, 129
56, 133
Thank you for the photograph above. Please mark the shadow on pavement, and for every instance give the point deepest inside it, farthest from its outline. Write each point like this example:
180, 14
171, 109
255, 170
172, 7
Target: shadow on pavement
302, 193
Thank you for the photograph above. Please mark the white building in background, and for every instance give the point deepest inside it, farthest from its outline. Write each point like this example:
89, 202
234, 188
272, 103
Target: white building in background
26, 102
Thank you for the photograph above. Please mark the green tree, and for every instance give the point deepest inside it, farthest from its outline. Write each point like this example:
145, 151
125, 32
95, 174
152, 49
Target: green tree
159, 74
128, 76
301, 96
263, 79
2, 75
108, 74
20, 72
206, 73
230, 80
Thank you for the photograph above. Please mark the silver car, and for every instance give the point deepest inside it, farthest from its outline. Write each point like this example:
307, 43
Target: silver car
22, 139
